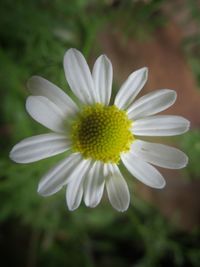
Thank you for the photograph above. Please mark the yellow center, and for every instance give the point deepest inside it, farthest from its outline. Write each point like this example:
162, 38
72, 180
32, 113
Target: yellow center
102, 133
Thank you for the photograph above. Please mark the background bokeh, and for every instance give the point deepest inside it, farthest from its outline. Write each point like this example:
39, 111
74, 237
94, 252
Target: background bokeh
161, 228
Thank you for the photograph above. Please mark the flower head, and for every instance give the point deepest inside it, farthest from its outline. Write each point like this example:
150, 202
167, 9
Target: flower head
98, 134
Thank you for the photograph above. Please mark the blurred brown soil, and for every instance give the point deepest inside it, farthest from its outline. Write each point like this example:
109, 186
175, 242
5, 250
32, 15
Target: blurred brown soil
168, 68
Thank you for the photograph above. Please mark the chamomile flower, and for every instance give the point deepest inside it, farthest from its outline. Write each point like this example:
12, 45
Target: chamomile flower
99, 135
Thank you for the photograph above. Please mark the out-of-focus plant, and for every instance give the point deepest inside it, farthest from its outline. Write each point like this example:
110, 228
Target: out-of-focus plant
191, 44
192, 48
132, 17
191, 145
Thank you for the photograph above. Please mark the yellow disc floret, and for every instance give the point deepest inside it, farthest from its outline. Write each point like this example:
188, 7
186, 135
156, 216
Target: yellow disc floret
102, 133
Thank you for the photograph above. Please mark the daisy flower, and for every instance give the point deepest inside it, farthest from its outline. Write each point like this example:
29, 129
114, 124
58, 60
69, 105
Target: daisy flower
99, 135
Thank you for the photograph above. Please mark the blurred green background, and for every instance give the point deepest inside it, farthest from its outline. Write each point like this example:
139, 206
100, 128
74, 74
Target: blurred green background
159, 229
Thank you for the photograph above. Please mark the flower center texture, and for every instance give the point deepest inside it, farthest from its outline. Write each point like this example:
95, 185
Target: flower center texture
102, 133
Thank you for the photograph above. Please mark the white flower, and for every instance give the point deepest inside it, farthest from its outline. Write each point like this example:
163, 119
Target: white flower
99, 134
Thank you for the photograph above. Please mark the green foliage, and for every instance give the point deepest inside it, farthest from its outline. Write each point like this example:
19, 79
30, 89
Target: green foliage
191, 145
41, 231
191, 44
135, 16
192, 48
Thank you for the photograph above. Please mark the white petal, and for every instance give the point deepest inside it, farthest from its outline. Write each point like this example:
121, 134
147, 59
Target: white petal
151, 103
117, 188
79, 77
94, 185
160, 125
74, 191
143, 171
45, 112
39, 86
131, 88
160, 155
39, 147
103, 75
59, 175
